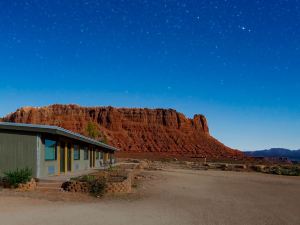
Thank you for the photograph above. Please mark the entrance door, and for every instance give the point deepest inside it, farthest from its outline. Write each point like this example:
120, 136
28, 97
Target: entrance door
62, 158
69, 158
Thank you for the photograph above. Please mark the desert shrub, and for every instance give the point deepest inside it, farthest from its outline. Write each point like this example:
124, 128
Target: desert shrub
104, 139
275, 170
18, 176
294, 171
98, 186
259, 168
286, 171
87, 178
84, 178
112, 168
92, 130
95, 186
222, 166
166, 160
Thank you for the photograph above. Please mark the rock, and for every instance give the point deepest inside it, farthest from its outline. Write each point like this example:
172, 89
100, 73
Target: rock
151, 132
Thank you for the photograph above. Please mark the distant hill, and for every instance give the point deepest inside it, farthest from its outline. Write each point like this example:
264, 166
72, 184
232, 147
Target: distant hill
276, 152
137, 132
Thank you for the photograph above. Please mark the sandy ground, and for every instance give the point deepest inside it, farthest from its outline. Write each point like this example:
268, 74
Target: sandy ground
175, 197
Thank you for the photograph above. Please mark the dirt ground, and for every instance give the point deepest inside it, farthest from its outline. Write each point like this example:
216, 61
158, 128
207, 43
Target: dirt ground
175, 197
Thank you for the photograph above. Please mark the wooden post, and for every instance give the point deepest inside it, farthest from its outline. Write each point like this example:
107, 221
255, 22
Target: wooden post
72, 156
90, 158
58, 158
94, 158
105, 157
66, 157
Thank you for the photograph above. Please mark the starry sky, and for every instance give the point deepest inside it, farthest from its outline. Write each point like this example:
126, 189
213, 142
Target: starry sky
235, 61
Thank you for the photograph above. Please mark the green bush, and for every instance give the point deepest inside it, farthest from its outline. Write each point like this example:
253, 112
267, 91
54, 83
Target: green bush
87, 178
98, 186
92, 130
18, 176
286, 171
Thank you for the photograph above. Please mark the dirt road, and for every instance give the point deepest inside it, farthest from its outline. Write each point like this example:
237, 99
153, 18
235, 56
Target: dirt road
177, 197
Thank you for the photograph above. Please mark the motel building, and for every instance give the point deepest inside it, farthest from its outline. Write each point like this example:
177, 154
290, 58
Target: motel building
50, 150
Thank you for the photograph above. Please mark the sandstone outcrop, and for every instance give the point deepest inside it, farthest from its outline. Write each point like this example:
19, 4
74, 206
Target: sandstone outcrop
152, 132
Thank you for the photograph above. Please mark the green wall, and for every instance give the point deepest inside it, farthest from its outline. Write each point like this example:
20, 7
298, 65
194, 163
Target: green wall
17, 150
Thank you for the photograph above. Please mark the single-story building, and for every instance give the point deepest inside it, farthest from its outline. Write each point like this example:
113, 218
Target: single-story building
49, 150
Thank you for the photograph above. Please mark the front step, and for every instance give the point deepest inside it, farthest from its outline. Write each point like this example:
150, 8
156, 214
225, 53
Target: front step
49, 185
52, 185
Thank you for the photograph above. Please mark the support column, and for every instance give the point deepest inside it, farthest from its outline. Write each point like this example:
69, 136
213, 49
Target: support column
105, 157
90, 157
58, 158
72, 156
94, 158
66, 157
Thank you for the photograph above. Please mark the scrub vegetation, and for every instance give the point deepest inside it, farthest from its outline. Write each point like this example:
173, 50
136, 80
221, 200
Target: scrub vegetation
89, 184
285, 170
15, 177
93, 132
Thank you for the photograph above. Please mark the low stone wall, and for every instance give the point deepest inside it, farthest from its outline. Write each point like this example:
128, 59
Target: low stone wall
125, 186
119, 187
29, 186
117, 181
76, 186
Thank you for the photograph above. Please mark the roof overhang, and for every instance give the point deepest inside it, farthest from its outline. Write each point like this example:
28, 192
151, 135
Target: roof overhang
53, 130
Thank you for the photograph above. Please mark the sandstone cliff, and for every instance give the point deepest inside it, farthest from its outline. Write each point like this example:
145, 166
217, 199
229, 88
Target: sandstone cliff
152, 132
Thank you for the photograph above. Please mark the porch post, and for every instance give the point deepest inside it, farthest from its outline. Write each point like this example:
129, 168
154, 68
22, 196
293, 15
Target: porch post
94, 158
66, 157
72, 156
58, 158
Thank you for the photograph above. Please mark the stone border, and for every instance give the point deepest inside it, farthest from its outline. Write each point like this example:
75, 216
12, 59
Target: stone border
113, 187
29, 186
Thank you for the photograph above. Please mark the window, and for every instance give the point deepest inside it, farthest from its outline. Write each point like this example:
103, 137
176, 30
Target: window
76, 152
86, 153
50, 150
97, 155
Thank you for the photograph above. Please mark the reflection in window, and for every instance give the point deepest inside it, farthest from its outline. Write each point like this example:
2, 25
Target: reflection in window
50, 150
76, 152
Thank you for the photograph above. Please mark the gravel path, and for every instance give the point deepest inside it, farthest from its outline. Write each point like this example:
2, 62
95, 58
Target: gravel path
175, 197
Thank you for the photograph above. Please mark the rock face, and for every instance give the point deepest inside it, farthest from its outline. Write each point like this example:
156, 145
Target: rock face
152, 132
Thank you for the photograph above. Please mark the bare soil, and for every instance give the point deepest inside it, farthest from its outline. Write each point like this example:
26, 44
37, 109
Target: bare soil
168, 196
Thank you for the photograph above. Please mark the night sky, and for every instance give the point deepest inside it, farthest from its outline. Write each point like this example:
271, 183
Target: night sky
236, 61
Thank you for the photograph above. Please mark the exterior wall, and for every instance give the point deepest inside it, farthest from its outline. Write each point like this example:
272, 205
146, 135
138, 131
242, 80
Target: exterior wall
81, 164
50, 168
17, 150
46, 168
22, 149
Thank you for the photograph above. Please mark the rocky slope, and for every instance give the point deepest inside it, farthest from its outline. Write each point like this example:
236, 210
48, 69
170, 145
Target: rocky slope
152, 132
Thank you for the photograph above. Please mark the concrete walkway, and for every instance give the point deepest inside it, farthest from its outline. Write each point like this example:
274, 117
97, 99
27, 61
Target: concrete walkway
67, 176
